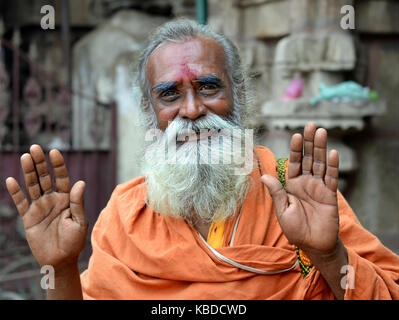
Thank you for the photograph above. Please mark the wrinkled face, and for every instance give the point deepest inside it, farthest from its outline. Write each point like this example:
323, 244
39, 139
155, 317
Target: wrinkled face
189, 79
190, 90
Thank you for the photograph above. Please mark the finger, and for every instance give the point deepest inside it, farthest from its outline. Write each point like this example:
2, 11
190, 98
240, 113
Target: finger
331, 178
30, 176
17, 196
60, 171
278, 194
319, 153
307, 160
294, 166
77, 202
40, 163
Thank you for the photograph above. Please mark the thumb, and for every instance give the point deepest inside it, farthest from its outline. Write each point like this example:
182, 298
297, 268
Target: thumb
277, 192
77, 202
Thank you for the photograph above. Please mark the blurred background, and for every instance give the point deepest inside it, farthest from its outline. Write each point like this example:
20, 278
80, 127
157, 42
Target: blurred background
72, 86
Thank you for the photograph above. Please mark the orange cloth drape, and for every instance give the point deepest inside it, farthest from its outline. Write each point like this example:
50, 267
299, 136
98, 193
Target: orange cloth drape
140, 254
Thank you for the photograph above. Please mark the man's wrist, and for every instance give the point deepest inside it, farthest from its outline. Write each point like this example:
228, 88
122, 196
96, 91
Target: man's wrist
67, 283
330, 265
66, 270
337, 255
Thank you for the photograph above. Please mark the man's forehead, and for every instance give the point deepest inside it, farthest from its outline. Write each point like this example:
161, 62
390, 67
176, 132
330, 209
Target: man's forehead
186, 60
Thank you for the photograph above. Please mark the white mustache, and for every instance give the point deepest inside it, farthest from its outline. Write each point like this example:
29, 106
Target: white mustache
208, 140
210, 124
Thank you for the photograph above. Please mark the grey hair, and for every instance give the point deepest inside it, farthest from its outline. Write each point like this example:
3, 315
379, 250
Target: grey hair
184, 29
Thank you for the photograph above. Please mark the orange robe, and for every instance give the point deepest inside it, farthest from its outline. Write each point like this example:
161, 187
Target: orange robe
140, 254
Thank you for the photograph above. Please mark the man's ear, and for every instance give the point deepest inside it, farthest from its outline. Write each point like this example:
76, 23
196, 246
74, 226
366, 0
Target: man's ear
149, 112
145, 104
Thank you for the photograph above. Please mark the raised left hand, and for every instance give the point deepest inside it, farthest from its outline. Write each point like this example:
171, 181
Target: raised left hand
307, 209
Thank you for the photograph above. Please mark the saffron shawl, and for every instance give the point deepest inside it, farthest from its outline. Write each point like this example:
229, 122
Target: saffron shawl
140, 254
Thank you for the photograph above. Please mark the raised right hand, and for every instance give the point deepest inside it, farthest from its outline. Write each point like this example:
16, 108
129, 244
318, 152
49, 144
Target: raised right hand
54, 221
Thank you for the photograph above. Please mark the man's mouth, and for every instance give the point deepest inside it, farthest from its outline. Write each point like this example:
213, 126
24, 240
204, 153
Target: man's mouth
198, 136
194, 135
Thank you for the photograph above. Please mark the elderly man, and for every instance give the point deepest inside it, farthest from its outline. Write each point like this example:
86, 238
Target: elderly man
200, 230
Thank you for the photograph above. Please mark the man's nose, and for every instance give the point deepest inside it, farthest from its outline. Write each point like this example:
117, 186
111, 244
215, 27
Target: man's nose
192, 107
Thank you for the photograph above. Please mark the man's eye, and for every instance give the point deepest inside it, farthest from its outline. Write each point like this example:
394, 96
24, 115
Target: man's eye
208, 89
169, 95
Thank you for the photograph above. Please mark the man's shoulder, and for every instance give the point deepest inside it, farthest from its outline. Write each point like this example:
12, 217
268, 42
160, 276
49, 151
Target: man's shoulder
265, 156
264, 152
126, 200
131, 190
267, 161
137, 182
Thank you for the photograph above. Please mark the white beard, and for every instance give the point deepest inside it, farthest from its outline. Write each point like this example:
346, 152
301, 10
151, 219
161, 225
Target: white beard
187, 186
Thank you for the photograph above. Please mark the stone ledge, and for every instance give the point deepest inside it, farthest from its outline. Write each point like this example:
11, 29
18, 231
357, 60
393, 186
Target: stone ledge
306, 52
296, 113
377, 16
302, 107
265, 22
248, 3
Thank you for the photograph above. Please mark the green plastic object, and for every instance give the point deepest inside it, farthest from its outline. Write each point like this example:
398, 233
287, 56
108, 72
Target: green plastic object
201, 11
346, 91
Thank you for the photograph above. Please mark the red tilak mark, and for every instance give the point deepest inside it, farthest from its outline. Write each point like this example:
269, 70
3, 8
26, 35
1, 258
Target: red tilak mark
187, 73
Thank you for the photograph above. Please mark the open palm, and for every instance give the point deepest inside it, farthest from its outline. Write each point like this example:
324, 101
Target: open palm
54, 221
307, 209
